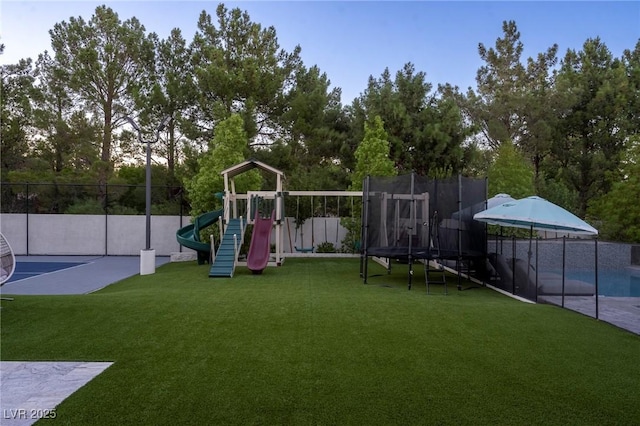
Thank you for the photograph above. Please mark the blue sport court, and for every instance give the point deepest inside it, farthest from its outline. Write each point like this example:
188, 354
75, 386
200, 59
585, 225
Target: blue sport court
31, 269
49, 275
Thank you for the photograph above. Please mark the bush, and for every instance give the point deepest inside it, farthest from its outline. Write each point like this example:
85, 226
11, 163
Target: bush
325, 247
85, 207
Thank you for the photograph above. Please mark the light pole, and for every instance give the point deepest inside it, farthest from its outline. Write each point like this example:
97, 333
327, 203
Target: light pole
148, 256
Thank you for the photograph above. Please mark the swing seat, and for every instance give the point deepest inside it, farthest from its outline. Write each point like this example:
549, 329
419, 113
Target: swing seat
304, 249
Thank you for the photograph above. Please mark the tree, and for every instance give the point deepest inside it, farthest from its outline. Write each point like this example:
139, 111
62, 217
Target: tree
53, 109
171, 95
106, 61
372, 159
372, 156
69, 137
540, 112
496, 107
239, 68
440, 143
510, 173
618, 211
631, 62
228, 147
512, 102
425, 133
591, 134
314, 124
16, 91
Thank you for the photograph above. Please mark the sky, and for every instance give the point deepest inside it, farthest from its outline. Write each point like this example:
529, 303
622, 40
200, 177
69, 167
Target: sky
352, 40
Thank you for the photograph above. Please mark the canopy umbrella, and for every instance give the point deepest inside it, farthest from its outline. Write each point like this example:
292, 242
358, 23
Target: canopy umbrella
535, 213
496, 200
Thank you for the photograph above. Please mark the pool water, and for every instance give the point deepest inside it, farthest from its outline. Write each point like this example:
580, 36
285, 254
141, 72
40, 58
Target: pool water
612, 282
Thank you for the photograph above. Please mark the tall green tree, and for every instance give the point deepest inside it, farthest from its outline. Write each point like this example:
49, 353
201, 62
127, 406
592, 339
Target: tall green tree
372, 159
618, 211
510, 173
314, 123
496, 105
69, 139
16, 120
512, 102
424, 132
54, 107
631, 62
239, 68
228, 147
171, 95
540, 113
372, 155
590, 138
105, 61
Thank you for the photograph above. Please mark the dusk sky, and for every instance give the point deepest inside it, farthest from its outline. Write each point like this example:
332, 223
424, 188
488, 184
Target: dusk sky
350, 40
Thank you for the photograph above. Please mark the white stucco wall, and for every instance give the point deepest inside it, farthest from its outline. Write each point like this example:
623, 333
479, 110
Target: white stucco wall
122, 235
14, 228
66, 234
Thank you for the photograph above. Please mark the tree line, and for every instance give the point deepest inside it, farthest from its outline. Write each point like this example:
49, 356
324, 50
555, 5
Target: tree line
562, 127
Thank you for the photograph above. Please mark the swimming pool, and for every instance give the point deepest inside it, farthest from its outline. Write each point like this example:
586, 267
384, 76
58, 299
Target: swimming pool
612, 282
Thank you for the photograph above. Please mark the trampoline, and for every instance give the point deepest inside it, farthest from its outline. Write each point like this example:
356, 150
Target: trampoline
413, 218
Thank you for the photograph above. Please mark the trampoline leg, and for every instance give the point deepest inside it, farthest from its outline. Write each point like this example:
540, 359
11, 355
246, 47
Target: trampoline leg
366, 264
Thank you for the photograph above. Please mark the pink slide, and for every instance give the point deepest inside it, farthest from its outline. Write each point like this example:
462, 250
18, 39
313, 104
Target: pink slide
260, 247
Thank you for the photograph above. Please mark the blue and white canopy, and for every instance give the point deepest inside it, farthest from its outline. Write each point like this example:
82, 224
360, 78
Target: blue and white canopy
498, 199
535, 213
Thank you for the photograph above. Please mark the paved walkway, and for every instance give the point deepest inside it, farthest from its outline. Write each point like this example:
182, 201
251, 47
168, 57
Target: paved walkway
30, 391
623, 312
96, 273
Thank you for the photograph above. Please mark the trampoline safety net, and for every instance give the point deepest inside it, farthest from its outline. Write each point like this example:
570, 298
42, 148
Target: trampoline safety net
412, 217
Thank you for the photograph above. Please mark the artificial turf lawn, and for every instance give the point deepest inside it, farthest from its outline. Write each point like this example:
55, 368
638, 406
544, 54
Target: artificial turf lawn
308, 343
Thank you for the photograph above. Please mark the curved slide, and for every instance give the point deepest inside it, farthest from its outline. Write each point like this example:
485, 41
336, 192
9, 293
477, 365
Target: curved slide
260, 249
189, 236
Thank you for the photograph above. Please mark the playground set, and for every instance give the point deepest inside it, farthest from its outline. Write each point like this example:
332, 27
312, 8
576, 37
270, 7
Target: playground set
405, 218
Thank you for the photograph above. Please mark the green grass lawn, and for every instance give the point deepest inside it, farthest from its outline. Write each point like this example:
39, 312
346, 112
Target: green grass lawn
309, 343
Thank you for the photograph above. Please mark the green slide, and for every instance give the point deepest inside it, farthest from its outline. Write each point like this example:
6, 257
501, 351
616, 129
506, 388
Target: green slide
189, 236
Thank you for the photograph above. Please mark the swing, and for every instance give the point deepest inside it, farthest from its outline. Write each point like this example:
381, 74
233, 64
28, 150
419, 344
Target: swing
303, 249
336, 215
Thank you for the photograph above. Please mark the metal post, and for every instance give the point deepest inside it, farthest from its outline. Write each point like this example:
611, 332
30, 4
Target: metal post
148, 196
459, 259
411, 227
181, 212
27, 190
596, 270
106, 219
147, 256
537, 270
513, 264
564, 251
